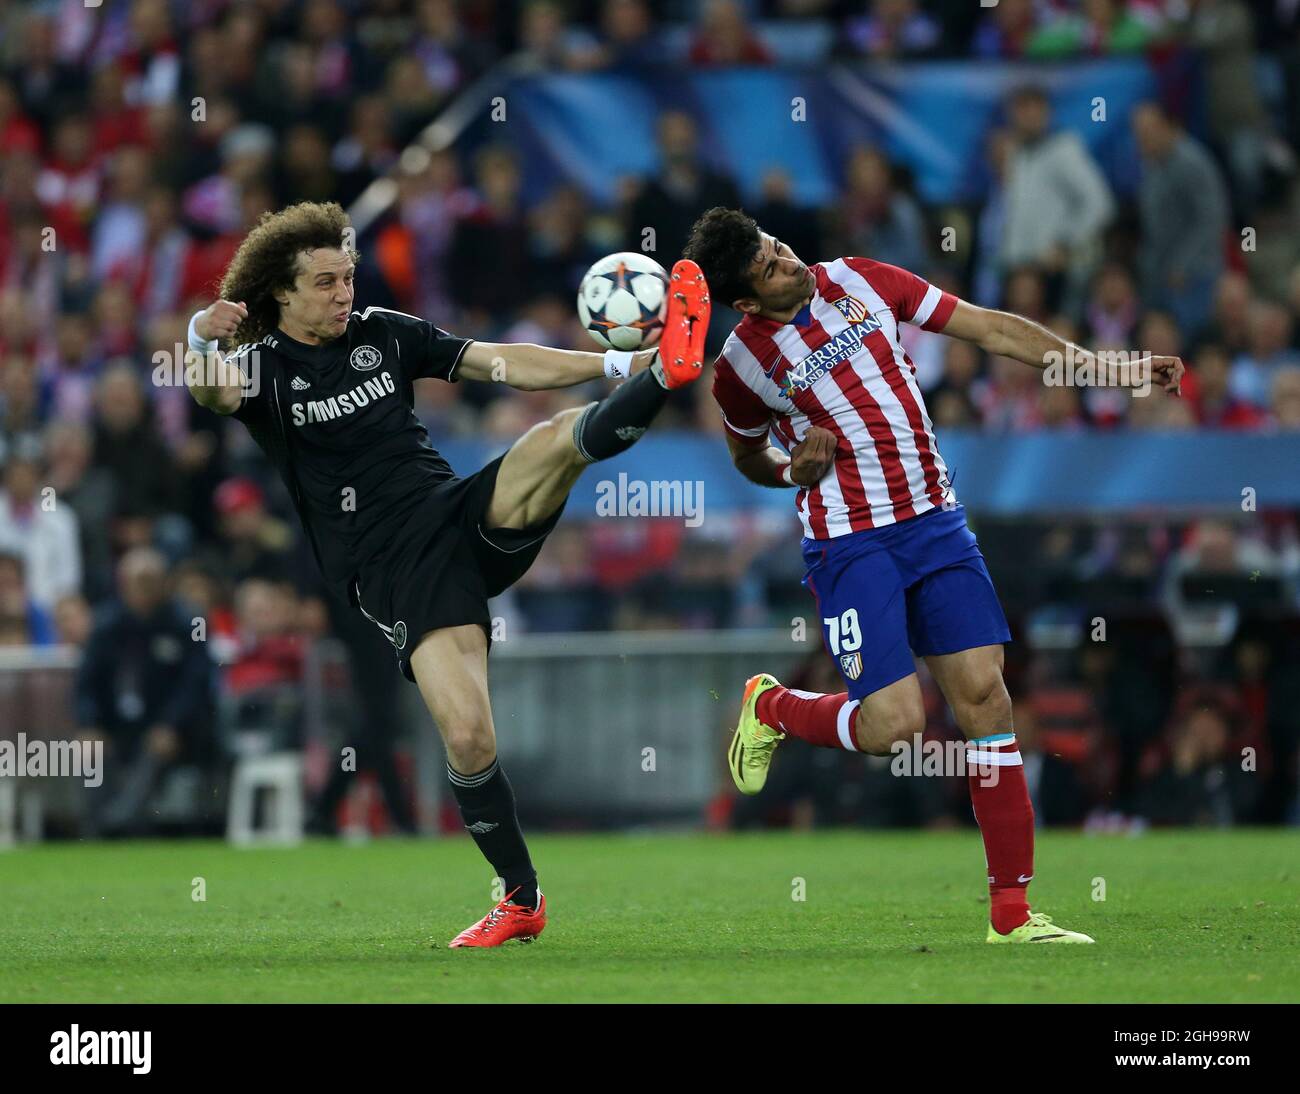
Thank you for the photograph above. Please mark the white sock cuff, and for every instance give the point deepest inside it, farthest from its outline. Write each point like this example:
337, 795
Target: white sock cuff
471, 782
999, 750
844, 725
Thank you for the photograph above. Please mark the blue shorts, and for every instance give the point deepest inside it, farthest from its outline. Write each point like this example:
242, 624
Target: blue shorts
917, 587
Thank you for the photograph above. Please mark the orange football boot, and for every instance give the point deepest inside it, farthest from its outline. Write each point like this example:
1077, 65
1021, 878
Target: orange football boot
504, 922
686, 325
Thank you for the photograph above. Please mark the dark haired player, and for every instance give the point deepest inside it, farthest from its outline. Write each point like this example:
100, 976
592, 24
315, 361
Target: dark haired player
890, 562
327, 393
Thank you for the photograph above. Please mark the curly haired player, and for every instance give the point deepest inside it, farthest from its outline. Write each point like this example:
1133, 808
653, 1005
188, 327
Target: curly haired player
895, 571
327, 392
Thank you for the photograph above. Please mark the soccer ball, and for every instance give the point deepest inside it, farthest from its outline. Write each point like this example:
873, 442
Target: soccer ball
622, 301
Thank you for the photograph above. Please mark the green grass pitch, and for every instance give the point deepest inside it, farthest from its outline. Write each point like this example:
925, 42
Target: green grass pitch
1187, 916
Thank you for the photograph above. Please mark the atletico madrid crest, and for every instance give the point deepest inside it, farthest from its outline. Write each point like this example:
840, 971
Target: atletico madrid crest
851, 665
853, 309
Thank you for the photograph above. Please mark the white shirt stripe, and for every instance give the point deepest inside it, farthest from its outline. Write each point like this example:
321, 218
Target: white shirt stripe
844, 725
925, 309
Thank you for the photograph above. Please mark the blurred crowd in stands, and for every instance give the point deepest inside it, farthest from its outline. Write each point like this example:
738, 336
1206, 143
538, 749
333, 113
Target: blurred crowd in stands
139, 141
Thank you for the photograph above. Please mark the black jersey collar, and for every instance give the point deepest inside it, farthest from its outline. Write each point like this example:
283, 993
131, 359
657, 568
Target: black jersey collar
301, 351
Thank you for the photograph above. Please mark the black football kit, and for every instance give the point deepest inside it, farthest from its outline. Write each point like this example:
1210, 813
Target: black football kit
393, 528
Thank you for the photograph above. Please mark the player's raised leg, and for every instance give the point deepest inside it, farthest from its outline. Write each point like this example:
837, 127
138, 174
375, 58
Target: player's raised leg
541, 467
971, 681
861, 598
450, 667
537, 473
770, 712
862, 609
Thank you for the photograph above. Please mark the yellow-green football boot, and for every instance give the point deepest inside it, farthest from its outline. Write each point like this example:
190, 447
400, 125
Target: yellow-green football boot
1038, 928
753, 743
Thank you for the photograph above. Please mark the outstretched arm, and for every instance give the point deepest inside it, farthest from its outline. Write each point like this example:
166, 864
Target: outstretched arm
536, 368
1007, 335
221, 384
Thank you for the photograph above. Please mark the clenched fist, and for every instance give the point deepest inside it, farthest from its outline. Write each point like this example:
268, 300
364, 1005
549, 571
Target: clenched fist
221, 320
812, 457
1168, 373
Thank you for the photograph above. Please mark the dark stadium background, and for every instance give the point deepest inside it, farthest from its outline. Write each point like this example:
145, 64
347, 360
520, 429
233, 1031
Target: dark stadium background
490, 152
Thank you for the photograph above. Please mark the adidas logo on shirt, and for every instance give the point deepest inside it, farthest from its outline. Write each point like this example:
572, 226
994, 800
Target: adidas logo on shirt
299, 384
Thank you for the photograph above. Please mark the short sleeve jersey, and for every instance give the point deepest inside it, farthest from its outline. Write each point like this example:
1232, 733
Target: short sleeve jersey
338, 422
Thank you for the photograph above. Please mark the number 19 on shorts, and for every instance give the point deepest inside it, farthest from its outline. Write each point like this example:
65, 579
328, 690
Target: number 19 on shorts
843, 633
844, 636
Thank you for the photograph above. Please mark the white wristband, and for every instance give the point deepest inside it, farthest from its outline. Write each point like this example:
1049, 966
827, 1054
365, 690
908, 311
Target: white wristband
618, 363
786, 477
197, 344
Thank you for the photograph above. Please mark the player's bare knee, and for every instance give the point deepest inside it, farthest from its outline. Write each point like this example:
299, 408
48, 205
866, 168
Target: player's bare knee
470, 743
551, 443
988, 701
467, 734
564, 442
877, 734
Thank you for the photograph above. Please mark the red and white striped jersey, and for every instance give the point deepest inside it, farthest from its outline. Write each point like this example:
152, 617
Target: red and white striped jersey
839, 364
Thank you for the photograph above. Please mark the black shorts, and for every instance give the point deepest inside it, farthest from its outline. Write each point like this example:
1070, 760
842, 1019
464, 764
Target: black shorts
443, 567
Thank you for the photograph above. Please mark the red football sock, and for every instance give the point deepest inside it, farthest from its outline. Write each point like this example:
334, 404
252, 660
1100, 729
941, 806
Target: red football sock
998, 792
825, 720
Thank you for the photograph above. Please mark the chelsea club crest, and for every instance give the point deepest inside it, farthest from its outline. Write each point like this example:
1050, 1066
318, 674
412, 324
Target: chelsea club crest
364, 358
